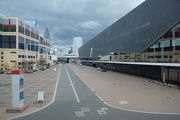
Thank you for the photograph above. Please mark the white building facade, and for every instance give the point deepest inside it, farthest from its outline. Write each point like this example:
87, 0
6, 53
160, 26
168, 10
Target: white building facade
77, 43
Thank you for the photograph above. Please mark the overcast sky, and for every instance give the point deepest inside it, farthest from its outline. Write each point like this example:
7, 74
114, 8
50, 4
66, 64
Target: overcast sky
66, 19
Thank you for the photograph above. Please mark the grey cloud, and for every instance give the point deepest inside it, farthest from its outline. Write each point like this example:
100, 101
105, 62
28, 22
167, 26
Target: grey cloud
66, 19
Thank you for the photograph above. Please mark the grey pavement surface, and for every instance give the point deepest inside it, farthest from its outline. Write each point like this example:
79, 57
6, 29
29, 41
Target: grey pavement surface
33, 82
130, 92
75, 101
115, 89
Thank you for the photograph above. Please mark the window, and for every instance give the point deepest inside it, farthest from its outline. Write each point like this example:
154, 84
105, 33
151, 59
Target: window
176, 42
19, 56
32, 46
19, 63
8, 25
1, 57
13, 60
12, 41
27, 44
9, 41
21, 43
37, 46
13, 52
1, 20
1, 53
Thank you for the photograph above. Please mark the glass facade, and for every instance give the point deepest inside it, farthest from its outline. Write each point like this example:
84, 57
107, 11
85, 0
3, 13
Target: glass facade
24, 37
7, 41
1, 41
21, 26
7, 25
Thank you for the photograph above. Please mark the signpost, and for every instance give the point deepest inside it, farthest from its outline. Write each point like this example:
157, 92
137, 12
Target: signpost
17, 92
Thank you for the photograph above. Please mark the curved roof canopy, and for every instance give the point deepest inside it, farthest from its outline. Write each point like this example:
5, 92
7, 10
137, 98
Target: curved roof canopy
137, 30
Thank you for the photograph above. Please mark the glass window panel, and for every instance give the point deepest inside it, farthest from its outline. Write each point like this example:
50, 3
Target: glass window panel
32, 45
13, 38
21, 43
6, 38
5, 45
12, 21
19, 22
0, 27
37, 46
166, 43
13, 29
28, 44
1, 21
1, 41
13, 45
6, 21
176, 42
5, 29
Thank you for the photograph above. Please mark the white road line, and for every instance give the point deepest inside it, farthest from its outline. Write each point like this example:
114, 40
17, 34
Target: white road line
74, 90
83, 80
99, 97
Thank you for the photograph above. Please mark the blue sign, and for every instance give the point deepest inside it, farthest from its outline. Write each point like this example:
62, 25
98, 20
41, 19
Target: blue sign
21, 95
21, 81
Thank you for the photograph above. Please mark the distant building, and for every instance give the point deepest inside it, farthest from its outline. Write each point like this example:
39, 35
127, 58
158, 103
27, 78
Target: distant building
47, 34
77, 43
31, 22
149, 33
21, 46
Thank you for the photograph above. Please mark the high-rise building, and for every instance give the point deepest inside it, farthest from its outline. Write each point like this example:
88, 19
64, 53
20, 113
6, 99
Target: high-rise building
77, 43
47, 34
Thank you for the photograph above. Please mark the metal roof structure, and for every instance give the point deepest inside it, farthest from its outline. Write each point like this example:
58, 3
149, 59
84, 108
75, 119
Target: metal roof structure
137, 30
139, 63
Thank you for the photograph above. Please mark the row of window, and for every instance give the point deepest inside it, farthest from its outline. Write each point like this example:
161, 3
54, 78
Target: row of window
164, 49
157, 56
24, 56
9, 25
9, 41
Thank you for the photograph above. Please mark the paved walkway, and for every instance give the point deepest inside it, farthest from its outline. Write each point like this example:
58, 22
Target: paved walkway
130, 92
33, 82
120, 90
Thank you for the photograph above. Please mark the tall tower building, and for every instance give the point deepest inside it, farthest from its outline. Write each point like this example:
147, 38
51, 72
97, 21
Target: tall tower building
77, 43
47, 34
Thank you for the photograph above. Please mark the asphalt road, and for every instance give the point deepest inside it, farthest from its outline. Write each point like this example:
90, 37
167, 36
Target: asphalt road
76, 101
